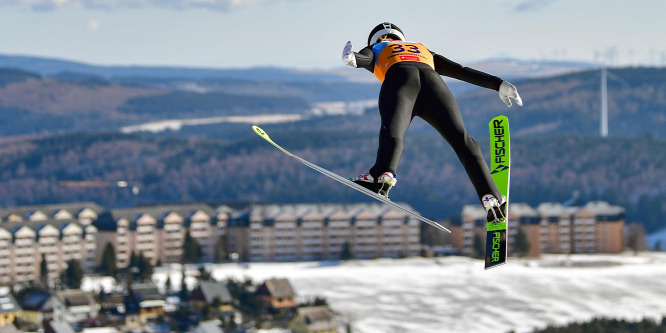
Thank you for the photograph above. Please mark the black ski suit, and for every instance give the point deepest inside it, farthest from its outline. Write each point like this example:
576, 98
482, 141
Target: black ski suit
413, 87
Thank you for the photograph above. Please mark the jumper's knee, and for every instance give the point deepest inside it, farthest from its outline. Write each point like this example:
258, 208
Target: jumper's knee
467, 149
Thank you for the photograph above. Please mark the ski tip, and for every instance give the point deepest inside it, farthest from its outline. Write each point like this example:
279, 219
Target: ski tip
259, 131
439, 226
436, 225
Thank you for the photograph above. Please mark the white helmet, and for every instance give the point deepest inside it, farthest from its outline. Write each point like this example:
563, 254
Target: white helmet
385, 28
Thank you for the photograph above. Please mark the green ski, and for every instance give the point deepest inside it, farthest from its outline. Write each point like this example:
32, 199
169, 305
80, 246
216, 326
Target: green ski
500, 162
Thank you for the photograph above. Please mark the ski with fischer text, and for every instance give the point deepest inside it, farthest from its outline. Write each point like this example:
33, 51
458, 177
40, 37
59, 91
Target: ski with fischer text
500, 170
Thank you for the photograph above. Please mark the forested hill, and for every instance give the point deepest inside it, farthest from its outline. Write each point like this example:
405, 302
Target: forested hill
626, 171
560, 105
70, 102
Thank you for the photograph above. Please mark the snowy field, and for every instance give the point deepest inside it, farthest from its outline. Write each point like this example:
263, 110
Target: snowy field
455, 294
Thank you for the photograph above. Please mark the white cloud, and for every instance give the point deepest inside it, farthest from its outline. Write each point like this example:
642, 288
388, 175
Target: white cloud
218, 5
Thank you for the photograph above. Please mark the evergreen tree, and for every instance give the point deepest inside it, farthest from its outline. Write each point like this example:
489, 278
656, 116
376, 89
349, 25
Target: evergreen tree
522, 245
133, 260
346, 253
108, 265
191, 249
204, 275
167, 284
212, 309
145, 268
221, 253
479, 247
319, 301
44, 271
140, 267
229, 322
636, 237
249, 302
72, 275
183, 294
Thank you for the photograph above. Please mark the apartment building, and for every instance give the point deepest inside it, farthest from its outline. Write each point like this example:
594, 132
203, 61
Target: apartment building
259, 232
56, 233
158, 232
596, 227
320, 231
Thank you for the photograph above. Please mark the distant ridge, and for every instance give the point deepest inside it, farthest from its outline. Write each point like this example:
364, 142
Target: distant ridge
50, 67
503, 67
513, 68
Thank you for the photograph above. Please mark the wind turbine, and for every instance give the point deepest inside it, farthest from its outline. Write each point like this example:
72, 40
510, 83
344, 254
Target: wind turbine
603, 130
604, 102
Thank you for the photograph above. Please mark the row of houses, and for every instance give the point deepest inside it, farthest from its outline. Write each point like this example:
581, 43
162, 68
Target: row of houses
137, 307
270, 232
32, 307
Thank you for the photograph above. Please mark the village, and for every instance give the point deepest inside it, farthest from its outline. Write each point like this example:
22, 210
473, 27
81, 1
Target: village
211, 307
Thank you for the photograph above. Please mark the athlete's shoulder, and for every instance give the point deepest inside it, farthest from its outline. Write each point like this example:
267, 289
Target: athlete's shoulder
378, 47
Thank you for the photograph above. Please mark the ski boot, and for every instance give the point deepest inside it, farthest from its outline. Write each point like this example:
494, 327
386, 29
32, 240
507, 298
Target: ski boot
496, 210
381, 186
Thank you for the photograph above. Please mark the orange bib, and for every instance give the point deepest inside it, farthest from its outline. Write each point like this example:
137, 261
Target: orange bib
389, 53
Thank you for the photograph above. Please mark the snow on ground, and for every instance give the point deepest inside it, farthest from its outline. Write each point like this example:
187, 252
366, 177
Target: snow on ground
455, 294
177, 124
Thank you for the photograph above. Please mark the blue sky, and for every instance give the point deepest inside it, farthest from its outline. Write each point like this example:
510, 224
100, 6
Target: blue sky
310, 34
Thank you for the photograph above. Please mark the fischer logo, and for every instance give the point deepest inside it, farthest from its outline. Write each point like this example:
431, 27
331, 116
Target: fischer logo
500, 147
499, 168
497, 238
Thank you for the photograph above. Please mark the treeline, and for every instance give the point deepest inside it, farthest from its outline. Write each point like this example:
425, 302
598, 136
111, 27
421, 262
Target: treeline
18, 121
605, 325
11, 75
630, 172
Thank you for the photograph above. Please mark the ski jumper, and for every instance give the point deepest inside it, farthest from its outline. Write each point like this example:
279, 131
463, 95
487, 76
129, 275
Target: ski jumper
411, 87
